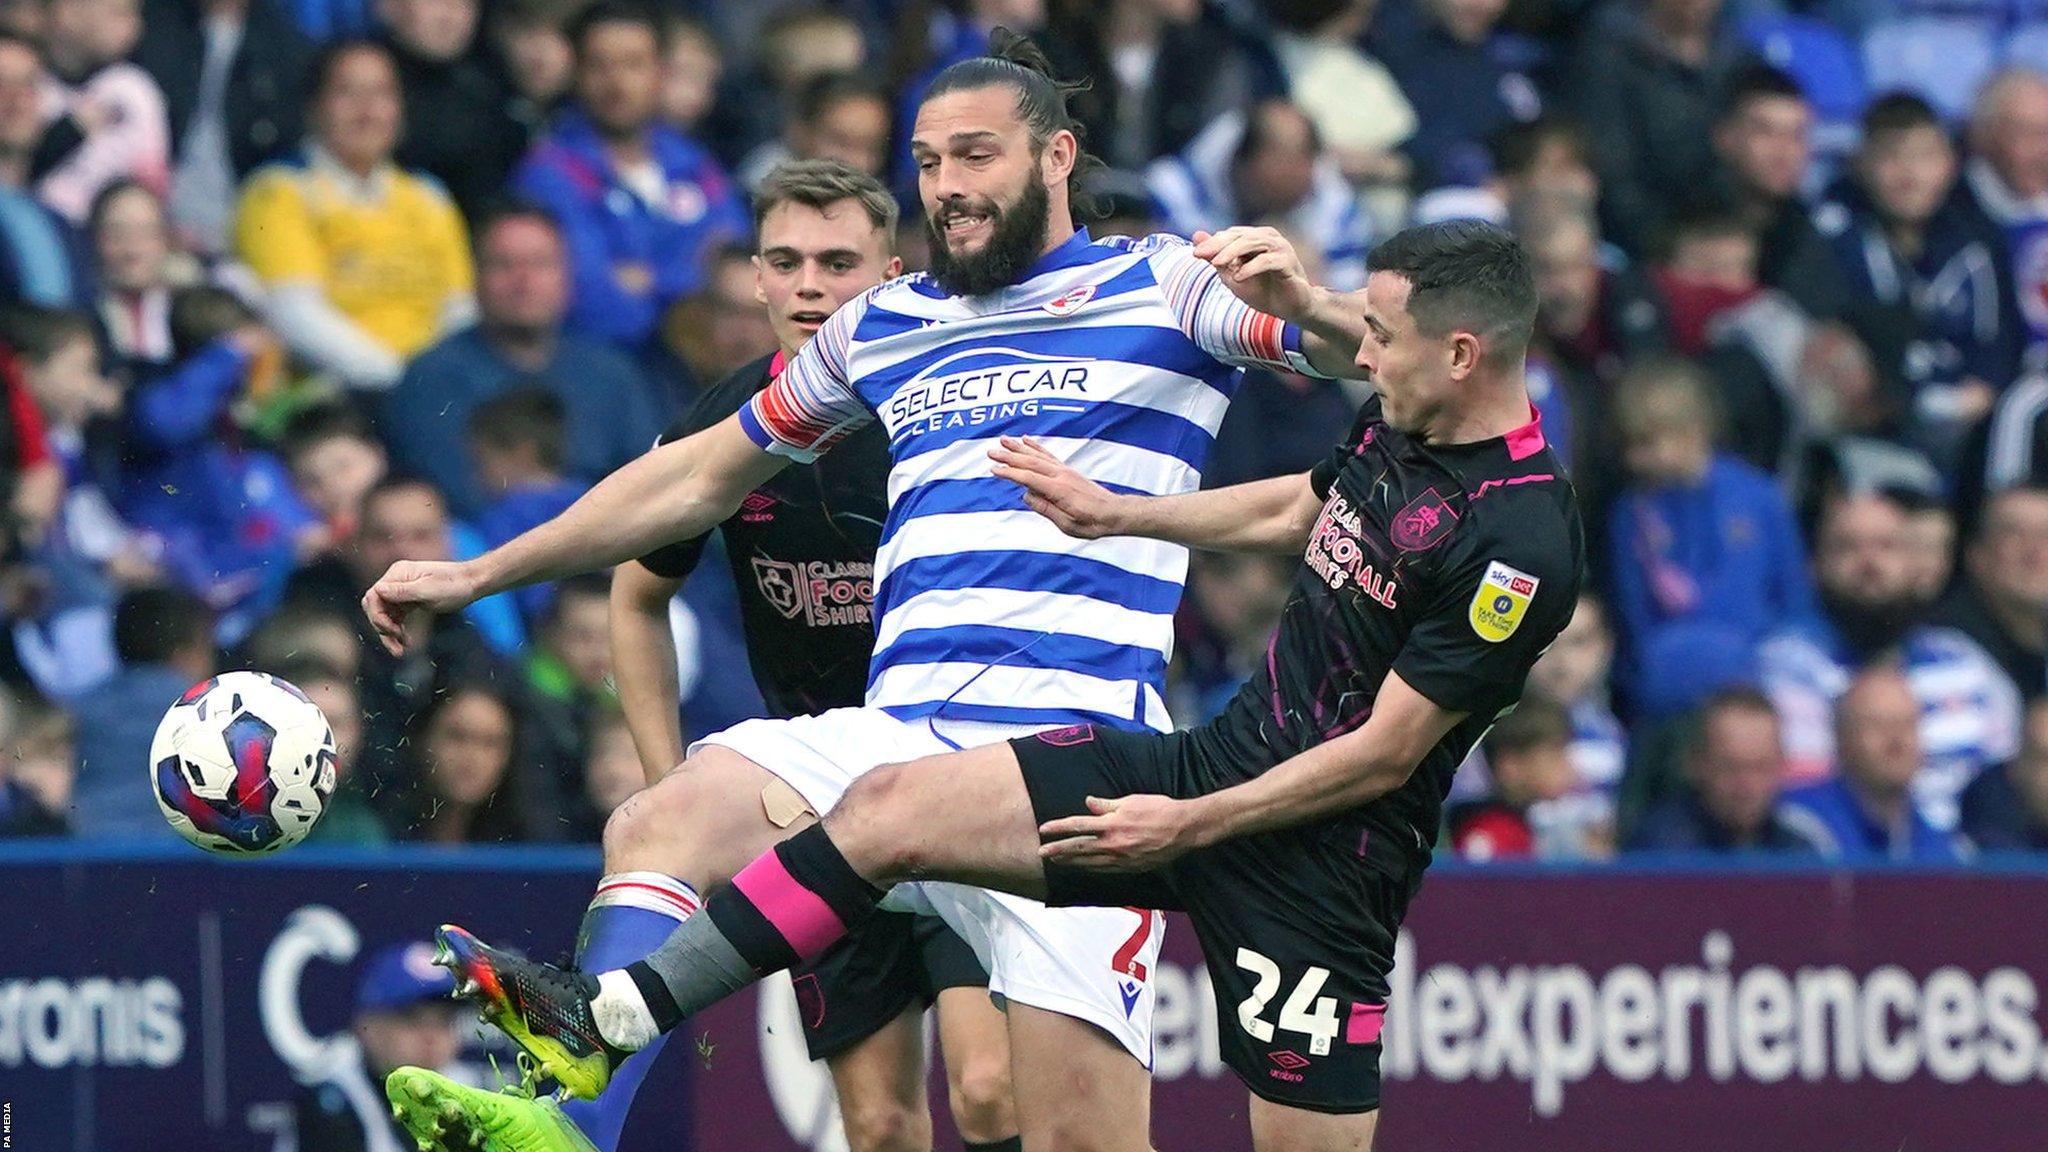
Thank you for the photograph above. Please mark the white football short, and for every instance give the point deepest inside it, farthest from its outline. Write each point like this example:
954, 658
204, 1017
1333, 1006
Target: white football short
1093, 964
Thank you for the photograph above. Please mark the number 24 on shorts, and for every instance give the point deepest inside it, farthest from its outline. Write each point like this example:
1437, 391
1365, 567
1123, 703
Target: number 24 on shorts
1304, 1012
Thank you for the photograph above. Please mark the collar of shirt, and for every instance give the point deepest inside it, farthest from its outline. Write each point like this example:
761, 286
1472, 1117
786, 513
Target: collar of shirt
2000, 202
369, 189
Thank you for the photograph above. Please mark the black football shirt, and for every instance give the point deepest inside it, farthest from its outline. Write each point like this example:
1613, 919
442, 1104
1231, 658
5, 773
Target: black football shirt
802, 549
1454, 566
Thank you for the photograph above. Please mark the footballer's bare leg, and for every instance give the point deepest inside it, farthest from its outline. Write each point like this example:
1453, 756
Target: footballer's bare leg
1279, 1128
704, 821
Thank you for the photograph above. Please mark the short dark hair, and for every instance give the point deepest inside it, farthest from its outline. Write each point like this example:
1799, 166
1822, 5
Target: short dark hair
397, 482
1537, 722
1732, 698
1899, 112
588, 585
1753, 83
1015, 62
605, 12
1463, 274
1258, 131
827, 90
817, 183
1700, 218
96, 215
202, 314
504, 211
154, 625
530, 416
318, 423
38, 333
328, 60
1516, 147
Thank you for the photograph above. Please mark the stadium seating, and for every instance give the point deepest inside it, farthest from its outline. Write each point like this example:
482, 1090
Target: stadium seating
1944, 59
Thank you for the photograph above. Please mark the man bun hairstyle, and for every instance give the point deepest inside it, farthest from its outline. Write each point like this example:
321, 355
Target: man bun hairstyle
1464, 275
1015, 62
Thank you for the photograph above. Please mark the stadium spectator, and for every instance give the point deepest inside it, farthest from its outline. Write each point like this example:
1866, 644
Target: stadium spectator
40, 259
2005, 181
402, 519
335, 460
31, 480
794, 46
1545, 164
131, 244
84, 553
690, 74
301, 632
35, 768
1734, 766
837, 117
363, 263
2002, 602
1266, 166
1646, 86
1355, 103
1933, 268
1869, 810
348, 820
1161, 69
404, 1016
112, 122
518, 443
1870, 613
1471, 81
1931, 547
639, 204
611, 773
1528, 763
568, 678
1574, 673
232, 524
473, 785
233, 74
517, 342
720, 326
164, 638
2006, 807
1235, 600
459, 127
529, 37
1704, 557
1763, 137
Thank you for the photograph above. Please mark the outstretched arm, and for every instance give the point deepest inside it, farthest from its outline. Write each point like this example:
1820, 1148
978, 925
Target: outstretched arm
1263, 516
1260, 267
1138, 833
675, 491
644, 665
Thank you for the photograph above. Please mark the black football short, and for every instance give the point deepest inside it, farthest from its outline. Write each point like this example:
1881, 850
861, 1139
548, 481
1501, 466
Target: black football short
889, 963
1297, 927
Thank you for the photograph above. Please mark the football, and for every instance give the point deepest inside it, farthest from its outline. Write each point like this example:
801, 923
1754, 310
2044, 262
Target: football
242, 763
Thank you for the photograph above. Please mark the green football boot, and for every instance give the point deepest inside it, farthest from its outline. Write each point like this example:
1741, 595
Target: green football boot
444, 1116
544, 1009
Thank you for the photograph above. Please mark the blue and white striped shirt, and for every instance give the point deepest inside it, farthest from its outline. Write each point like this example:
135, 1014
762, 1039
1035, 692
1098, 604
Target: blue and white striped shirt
1119, 356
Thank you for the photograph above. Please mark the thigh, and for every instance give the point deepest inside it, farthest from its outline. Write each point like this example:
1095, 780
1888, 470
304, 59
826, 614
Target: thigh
1077, 1090
1279, 1128
1298, 934
860, 985
963, 817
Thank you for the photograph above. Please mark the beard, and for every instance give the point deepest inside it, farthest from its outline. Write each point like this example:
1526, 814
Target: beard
1871, 627
1016, 238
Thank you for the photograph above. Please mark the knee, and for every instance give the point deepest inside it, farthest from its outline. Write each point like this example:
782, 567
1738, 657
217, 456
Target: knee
886, 1126
979, 1092
868, 826
649, 819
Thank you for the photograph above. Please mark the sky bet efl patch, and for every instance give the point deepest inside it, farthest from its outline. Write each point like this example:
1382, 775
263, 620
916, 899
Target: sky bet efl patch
1501, 602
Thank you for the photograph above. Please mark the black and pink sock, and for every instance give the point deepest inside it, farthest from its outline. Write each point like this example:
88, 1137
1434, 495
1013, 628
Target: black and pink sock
788, 906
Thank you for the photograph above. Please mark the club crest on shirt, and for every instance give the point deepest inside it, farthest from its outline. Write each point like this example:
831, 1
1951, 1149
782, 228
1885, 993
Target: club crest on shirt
1501, 602
1066, 302
1425, 521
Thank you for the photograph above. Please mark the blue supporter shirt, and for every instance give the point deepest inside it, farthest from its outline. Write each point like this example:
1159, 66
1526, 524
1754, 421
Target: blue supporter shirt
1830, 814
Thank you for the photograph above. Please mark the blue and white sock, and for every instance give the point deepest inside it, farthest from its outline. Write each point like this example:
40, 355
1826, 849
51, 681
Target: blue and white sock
631, 914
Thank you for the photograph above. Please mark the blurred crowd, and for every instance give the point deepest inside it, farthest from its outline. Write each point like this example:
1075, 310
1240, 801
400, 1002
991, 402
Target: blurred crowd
293, 289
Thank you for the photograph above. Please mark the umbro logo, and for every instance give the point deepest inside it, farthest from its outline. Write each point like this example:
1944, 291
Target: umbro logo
1066, 302
1287, 1059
